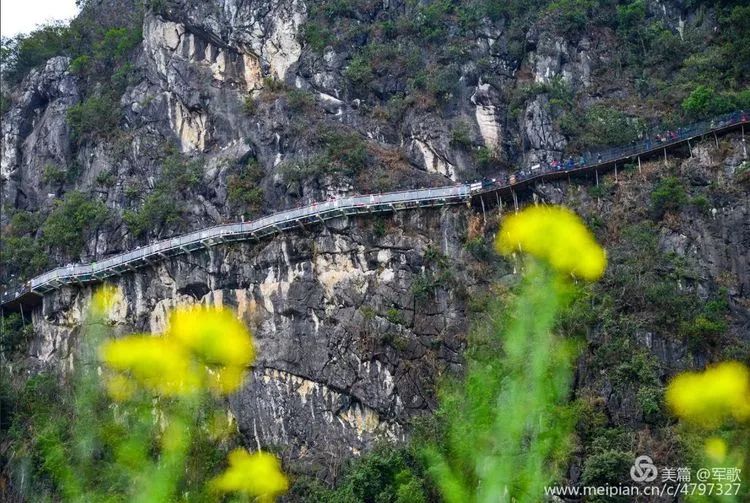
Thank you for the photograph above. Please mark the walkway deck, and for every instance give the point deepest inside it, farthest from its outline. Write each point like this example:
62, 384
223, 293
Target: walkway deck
31, 292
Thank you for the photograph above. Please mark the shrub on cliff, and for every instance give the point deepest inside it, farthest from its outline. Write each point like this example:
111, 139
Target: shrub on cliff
72, 222
243, 188
164, 206
24, 52
668, 195
97, 116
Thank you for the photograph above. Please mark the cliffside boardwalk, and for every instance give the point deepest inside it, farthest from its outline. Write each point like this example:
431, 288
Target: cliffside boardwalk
31, 292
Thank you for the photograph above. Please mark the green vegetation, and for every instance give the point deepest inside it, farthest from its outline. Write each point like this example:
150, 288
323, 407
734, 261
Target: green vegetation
21, 255
394, 316
159, 210
96, 116
479, 248
570, 17
607, 467
24, 52
485, 158
601, 126
436, 275
164, 206
742, 174
15, 334
249, 106
388, 474
704, 102
300, 101
704, 330
53, 175
461, 135
341, 152
413, 52
91, 46
668, 195
72, 222
106, 179
243, 189
379, 228
411, 57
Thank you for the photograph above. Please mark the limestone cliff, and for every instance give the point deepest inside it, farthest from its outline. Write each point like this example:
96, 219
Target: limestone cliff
223, 110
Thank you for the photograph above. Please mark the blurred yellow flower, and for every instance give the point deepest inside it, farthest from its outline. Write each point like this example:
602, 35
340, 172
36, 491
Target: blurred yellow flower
257, 475
556, 235
203, 348
158, 363
716, 449
214, 335
707, 398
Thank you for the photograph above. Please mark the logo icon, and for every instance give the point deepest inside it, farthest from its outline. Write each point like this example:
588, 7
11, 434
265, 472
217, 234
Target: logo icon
643, 470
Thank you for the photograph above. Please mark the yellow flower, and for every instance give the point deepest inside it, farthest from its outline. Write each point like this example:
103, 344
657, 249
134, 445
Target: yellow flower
556, 235
214, 335
158, 363
707, 398
202, 348
256, 475
716, 449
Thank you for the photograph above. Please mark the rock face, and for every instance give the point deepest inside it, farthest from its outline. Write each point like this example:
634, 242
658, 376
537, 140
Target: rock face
354, 321
348, 349
35, 132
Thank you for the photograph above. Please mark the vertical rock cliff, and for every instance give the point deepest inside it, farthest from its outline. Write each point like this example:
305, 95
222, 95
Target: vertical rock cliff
171, 115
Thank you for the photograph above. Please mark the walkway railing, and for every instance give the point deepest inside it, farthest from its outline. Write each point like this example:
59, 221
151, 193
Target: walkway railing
373, 203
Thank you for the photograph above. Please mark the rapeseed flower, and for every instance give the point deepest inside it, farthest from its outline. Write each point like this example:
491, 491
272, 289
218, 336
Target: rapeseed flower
158, 363
555, 235
203, 348
707, 398
216, 336
258, 475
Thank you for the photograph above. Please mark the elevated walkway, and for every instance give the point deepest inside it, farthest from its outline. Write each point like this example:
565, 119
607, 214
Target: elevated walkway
30, 293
